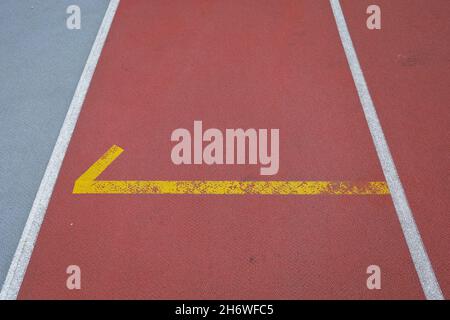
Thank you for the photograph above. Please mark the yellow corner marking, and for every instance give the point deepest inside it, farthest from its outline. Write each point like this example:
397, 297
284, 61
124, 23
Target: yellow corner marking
87, 184
101, 164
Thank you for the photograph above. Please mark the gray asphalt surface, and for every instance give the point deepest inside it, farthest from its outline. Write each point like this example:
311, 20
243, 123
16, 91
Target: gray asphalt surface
40, 64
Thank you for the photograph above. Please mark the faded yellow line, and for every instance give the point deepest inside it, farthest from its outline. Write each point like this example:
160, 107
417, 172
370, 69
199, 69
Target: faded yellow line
231, 187
87, 184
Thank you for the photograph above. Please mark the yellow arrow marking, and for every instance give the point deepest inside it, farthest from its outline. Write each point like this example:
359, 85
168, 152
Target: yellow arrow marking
87, 184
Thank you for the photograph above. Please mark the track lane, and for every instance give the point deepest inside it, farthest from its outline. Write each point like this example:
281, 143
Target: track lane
230, 65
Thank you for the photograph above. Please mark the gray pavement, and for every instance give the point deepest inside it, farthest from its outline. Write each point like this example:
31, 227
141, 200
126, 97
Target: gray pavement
40, 64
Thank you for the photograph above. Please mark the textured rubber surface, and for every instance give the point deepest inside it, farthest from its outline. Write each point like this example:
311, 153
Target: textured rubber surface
230, 64
407, 66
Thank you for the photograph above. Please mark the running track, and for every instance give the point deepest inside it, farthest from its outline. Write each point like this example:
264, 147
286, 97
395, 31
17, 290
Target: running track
248, 64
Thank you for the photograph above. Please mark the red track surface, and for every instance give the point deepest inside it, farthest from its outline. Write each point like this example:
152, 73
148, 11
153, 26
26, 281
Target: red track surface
238, 64
408, 72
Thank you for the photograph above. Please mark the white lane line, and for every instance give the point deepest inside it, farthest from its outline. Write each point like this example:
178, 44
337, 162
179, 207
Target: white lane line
25, 247
417, 250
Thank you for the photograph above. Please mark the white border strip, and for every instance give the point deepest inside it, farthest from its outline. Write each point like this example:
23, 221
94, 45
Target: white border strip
25, 247
417, 250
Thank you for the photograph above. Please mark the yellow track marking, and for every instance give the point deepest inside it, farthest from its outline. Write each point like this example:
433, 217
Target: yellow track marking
87, 184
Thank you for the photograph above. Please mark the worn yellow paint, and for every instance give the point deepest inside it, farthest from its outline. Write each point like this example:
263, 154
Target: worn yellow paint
87, 184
